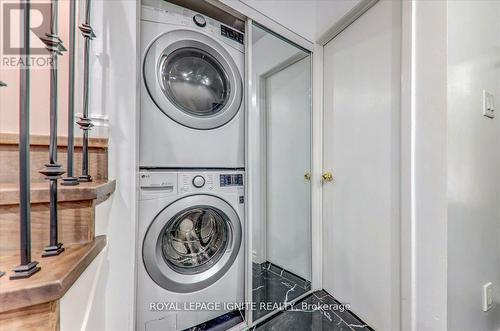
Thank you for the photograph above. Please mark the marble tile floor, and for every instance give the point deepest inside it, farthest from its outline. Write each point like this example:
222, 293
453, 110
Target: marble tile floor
274, 285
317, 312
221, 323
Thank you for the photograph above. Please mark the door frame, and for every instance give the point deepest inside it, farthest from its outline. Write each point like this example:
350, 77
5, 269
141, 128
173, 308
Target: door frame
408, 291
316, 149
263, 82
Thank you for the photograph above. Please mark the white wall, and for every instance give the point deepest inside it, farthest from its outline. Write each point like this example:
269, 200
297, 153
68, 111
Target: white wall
76, 304
288, 135
308, 18
424, 212
299, 15
112, 306
262, 61
473, 163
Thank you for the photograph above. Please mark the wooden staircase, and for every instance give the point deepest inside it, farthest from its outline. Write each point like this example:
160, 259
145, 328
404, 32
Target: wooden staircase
33, 303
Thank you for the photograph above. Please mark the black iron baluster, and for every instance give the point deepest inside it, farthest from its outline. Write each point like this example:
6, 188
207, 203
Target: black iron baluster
70, 179
53, 170
85, 122
2, 84
27, 267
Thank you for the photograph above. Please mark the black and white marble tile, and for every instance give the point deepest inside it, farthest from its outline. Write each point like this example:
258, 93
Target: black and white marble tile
221, 323
317, 312
274, 285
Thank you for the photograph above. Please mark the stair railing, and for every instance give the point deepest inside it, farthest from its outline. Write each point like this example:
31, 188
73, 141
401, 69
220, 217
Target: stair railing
53, 170
27, 267
70, 179
85, 122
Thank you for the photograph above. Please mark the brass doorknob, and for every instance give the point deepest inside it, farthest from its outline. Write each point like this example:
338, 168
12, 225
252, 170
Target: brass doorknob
327, 176
307, 176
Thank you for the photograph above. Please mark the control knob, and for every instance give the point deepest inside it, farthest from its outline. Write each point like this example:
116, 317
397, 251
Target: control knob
199, 20
198, 181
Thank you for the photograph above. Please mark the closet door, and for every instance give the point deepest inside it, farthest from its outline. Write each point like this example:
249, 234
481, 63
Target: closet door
362, 150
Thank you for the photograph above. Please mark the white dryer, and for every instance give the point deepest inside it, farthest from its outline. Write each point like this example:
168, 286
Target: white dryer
190, 248
192, 90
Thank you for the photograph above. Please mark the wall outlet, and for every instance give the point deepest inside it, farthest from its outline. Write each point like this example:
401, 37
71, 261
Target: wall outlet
487, 296
488, 104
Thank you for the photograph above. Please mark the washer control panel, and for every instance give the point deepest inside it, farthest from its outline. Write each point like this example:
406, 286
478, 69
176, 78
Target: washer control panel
192, 182
163, 183
198, 181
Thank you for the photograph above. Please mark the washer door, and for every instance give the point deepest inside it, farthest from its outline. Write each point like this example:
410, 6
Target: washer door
192, 243
193, 79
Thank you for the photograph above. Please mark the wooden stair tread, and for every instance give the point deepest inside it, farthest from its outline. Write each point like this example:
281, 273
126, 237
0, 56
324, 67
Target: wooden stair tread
58, 274
95, 190
7, 138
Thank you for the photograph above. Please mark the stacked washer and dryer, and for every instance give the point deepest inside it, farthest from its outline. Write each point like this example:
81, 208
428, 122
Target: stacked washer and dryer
191, 208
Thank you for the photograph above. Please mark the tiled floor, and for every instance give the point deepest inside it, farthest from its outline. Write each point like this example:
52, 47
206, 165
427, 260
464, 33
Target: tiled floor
317, 312
272, 284
221, 323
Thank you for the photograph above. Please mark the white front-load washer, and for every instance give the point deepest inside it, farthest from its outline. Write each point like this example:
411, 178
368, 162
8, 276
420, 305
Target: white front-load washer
190, 252
192, 90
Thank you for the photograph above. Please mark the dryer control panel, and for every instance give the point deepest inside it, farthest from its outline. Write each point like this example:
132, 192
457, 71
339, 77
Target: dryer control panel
231, 34
169, 13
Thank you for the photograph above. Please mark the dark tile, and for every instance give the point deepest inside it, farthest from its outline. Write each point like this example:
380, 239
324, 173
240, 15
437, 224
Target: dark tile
339, 309
221, 323
307, 314
273, 285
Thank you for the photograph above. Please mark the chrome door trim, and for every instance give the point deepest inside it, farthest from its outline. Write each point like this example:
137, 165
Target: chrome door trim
152, 255
167, 43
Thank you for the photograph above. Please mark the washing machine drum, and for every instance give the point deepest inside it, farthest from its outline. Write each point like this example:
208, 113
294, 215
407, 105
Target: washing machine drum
192, 243
193, 79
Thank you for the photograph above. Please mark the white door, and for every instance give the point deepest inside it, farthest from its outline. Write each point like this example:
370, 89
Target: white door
288, 113
362, 150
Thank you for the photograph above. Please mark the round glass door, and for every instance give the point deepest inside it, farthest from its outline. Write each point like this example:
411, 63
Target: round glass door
193, 79
195, 240
195, 82
192, 243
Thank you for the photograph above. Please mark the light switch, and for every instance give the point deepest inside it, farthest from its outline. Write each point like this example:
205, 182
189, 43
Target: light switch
487, 296
488, 104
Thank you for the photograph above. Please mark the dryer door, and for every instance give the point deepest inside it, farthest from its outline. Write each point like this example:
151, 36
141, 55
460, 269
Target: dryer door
192, 243
193, 79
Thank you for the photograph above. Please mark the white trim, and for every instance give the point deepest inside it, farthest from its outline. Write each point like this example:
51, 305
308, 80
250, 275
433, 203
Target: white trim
248, 173
425, 221
264, 205
346, 20
135, 177
407, 132
317, 168
265, 21
282, 66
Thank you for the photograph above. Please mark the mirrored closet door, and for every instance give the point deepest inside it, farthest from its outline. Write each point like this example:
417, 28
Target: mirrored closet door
280, 161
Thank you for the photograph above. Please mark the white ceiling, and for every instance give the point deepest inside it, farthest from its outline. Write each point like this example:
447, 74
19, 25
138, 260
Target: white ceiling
308, 18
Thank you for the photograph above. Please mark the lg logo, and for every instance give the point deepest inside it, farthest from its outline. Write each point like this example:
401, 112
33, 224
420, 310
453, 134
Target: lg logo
12, 14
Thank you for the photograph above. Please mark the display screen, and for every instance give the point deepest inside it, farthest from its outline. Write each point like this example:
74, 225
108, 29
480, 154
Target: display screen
231, 180
231, 34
